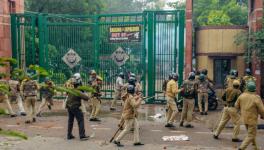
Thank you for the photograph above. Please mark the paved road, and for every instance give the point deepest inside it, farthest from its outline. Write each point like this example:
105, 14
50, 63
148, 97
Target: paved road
48, 133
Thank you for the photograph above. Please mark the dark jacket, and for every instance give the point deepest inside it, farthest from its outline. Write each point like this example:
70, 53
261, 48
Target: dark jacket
74, 102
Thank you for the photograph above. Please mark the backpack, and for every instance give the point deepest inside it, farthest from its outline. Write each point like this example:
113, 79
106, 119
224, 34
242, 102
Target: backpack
189, 89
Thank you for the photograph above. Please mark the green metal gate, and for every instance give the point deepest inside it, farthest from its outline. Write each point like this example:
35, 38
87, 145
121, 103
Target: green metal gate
151, 44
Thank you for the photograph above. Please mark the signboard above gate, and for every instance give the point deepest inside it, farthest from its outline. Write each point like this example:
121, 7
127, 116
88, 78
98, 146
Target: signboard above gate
71, 58
124, 33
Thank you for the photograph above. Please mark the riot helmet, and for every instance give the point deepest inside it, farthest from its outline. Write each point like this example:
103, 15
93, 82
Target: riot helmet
131, 89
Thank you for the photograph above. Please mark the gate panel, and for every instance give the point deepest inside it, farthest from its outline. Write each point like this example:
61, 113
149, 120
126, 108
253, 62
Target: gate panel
24, 39
113, 35
165, 49
62, 33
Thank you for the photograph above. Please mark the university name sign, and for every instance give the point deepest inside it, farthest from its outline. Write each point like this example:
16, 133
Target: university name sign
125, 33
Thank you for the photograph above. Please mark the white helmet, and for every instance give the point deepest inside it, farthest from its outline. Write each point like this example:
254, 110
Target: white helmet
77, 76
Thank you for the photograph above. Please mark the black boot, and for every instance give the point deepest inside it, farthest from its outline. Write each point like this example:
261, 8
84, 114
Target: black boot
118, 144
138, 144
215, 137
70, 137
236, 140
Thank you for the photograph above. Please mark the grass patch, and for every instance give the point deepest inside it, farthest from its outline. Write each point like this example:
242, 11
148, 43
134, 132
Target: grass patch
2, 112
13, 133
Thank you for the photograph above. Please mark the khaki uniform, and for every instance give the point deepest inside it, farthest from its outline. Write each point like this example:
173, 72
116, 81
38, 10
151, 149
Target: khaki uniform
118, 91
250, 106
203, 87
188, 102
48, 93
229, 81
29, 88
4, 98
230, 112
246, 79
96, 100
15, 92
171, 93
130, 116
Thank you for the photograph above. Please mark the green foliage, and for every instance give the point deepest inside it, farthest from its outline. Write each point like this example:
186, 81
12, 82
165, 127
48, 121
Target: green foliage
4, 89
117, 6
4, 61
65, 6
40, 72
177, 4
218, 17
18, 74
254, 42
76, 92
219, 12
3, 112
13, 133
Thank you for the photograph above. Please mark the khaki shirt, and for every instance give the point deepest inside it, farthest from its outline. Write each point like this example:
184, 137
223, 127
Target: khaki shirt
251, 106
172, 89
230, 96
119, 83
203, 86
130, 107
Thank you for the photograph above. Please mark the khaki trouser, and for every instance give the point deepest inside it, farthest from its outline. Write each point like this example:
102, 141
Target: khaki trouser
83, 106
201, 97
116, 97
250, 138
4, 98
20, 103
42, 105
128, 125
31, 107
96, 105
172, 110
229, 113
187, 110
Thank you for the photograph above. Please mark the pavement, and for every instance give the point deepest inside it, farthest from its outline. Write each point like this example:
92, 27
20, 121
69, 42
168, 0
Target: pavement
49, 132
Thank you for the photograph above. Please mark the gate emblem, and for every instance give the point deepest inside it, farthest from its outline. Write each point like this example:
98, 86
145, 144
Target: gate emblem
119, 56
71, 58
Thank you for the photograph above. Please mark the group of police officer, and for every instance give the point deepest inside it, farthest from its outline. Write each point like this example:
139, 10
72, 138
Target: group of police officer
241, 102
240, 98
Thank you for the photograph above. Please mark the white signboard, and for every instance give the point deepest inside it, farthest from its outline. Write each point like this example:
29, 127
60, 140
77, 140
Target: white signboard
71, 58
119, 56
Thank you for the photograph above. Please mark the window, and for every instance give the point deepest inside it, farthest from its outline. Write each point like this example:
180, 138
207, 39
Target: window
12, 6
252, 5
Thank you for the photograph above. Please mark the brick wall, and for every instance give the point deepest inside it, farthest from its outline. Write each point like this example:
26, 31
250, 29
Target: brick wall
188, 48
255, 24
6, 7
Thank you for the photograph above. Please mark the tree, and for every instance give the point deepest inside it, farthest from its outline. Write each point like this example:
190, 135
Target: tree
227, 12
254, 42
117, 6
65, 6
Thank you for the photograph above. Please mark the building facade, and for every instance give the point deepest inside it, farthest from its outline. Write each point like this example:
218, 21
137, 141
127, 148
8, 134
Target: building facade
217, 52
7, 7
255, 23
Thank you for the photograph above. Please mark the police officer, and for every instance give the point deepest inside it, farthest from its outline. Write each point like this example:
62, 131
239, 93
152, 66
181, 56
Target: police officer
29, 89
205, 72
230, 79
93, 76
118, 90
164, 84
203, 86
250, 105
138, 86
230, 112
96, 99
248, 77
15, 92
130, 116
73, 105
47, 94
189, 90
171, 94
4, 98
